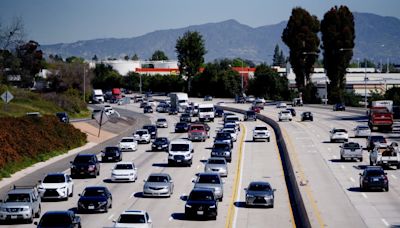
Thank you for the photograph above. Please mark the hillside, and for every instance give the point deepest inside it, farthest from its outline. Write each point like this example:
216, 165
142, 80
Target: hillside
377, 37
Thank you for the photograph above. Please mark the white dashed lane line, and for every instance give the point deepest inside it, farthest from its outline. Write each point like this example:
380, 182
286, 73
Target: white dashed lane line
111, 216
385, 222
365, 195
352, 179
394, 177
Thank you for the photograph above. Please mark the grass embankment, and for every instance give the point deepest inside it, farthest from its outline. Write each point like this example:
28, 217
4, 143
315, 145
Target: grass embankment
25, 141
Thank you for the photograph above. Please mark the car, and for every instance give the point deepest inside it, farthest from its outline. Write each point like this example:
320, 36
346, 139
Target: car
222, 149
143, 104
261, 132
185, 117
65, 219
374, 177
96, 112
21, 203
292, 111
285, 115
250, 99
208, 98
338, 134
108, 110
85, 164
148, 109
124, 171
259, 103
281, 105
189, 110
56, 186
210, 180
181, 127
259, 193
232, 124
95, 199
307, 116
352, 150
133, 218
396, 128
232, 131
152, 130
111, 154
219, 112
128, 144
138, 98
161, 108
223, 137
197, 132
158, 184
142, 136
162, 123
362, 131
180, 152
218, 165
240, 99
160, 144
339, 107
201, 202
372, 139
63, 117
250, 115
255, 109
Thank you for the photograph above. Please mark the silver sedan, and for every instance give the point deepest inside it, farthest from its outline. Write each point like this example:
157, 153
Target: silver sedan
158, 184
259, 193
217, 165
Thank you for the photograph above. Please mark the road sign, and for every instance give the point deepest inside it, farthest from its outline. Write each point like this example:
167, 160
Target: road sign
7, 96
101, 117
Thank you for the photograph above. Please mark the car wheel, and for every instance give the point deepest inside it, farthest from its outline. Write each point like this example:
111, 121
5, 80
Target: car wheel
72, 193
98, 173
37, 215
271, 206
268, 139
214, 218
387, 188
341, 158
30, 220
254, 139
361, 159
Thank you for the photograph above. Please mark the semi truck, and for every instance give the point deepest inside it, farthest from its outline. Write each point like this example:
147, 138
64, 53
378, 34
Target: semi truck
179, 101
98, 96
380, 116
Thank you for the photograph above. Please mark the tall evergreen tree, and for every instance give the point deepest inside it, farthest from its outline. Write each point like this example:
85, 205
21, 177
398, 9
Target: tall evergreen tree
159, 55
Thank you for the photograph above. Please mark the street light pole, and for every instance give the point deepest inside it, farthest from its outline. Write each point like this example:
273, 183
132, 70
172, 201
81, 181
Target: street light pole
84, 83
365, 85
140, 83
241, 73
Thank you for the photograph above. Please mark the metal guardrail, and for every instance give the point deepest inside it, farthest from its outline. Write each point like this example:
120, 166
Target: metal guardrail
296, 201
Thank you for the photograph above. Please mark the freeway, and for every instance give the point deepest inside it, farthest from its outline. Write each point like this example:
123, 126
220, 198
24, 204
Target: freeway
330, 188
251, 161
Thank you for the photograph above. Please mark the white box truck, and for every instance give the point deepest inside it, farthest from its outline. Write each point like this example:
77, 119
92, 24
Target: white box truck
206, 112
98, 96
179, 101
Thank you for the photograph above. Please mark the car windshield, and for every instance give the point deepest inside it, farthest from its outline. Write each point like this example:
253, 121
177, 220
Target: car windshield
160, 140
216, 161
363, 128
131, 218
234, 118
339, 130
211, 179
201, 195
94, 192
223, 135
161, 120
141, 133
155, 178
229, 130
230, 125
54, 179
124, 166
181, 125
150, 128
307, 113
377, 172
250, 113
259, 187
185, 115
179, 147
197, 127
20, 197
111, 149
82, 159
285, 112
206, 109
127, 140
55, 220
379, 139
222, 146
261, 128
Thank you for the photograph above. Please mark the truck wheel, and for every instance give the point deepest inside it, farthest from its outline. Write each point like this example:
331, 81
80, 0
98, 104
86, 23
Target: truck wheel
361, 159
387, 188
268, 139
341, 158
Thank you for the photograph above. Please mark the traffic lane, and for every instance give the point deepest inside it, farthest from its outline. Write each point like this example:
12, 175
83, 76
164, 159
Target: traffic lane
262, 162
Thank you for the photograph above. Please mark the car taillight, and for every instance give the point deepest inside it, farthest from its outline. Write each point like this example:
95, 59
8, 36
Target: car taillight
385, 178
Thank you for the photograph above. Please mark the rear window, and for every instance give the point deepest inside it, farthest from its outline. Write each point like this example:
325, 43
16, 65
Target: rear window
211, 179
216, 161
201, 195
235, 118
55, 220
124, 166
261, 128
131, 218
375, 172
339, 130
351, 146
197, 127
82, 159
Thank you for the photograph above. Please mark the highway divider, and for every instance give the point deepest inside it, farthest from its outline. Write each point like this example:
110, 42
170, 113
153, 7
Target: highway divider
296, 201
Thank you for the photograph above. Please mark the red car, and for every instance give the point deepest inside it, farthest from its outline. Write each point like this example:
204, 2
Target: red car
255, 109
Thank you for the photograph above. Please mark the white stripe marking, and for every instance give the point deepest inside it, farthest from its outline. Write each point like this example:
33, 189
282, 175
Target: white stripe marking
385, 222
334, 156
352, 180
111, 216
342, 166
394, 177
365, 195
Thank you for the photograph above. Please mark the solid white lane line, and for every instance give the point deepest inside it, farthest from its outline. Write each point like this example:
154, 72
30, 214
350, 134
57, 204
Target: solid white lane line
342, 166
111, 216
352, 180
385, 222
334, 156
365, 195
394, 177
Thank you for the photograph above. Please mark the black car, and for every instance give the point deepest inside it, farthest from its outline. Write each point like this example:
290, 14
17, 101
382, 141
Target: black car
201, 202
111, 153
63, 117
189, 110
148, 109
339, 107
64, 219
95, 112
307, 116
160, 144
185, 118
240, 99
152, 130
292, 111
374, 177
372, 139
172, 111
219, 112
85, 164
208, 98
250, 115
95, 199
181, 127
222, 149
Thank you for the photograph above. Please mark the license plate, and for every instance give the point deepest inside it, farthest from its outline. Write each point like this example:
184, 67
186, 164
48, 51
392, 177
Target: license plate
82, 172
200, 212
91, 207
109, 158
179, 161
376, 179
14, 217
159, 147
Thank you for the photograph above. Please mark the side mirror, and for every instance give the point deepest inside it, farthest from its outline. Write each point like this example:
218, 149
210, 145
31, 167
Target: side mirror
1, 200
245, 189
385, 173
144, 180
79, 194
274, 190
171, 181
71, 162
360, 174
39, 181
184, 197
149, 221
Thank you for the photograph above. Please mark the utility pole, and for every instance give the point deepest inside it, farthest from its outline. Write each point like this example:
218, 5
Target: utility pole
84, 83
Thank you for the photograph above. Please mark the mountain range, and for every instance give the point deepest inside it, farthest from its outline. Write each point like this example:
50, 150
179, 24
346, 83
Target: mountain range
377, 38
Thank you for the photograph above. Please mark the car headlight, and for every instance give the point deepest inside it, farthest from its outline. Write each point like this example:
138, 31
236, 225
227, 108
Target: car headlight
248, 195
80, 204
73, 167
25, 209
227, 153
102, 203
153, 145
3, 209
208, 169
267, 197
63, 188
212, 206
188, 206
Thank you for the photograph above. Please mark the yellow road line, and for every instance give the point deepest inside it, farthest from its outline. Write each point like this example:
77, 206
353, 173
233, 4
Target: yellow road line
231, 210
302, 177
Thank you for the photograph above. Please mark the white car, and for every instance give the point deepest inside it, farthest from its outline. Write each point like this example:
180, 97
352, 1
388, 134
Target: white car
261, 132
142, 136
108, 110
128, 144
124, 171
250, 99
362, 131
281, 105
339, 135
162, 123
56, 186
285, 115
231, 131
133, 218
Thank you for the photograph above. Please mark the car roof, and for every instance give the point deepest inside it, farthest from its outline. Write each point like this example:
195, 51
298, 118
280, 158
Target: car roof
58, 212
160, 174
124, 162
260, 183
134, 212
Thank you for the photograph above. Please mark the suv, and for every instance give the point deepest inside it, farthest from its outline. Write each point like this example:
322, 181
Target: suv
339, 107
56, 186
285, 115
224, 137
197, 132
21, 203
201, 202
67, 219
85, 164
374, 177
307, 116
180, 152
250, 115
142, 136
111, 153
181, 127
261, 132
339, 135
222, 149
133, 218
210, 180
152, 130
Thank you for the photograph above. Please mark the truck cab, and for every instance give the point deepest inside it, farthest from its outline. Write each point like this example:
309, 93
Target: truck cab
180, 152
197, 132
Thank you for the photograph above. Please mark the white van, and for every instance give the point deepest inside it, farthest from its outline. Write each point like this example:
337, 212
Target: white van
206, 112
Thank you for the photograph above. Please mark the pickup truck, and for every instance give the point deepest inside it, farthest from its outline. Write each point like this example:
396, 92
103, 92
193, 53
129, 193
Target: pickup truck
385, 155
197, 132
351, 150
380, 118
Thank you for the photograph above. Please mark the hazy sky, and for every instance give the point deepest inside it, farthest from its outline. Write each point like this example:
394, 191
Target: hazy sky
56, 21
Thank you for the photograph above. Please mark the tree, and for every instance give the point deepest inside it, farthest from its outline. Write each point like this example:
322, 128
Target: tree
190, 49
393, 94
300, 35
126, 57
158, 55
74, 59
135, 57
31, 62
278, 58
95, 58
338, 36
105, 77
12, 35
